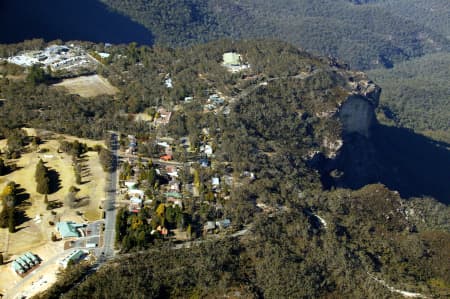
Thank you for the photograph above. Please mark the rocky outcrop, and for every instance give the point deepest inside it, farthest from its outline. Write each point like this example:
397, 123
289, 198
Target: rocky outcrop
357, 113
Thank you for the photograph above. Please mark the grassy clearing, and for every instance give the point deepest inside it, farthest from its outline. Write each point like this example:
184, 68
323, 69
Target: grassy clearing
88, 86
36, 231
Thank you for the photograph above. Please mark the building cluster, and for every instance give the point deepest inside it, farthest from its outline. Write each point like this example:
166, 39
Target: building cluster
25, 263
57, 57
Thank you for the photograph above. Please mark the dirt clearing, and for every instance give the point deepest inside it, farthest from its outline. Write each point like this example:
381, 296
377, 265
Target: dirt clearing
88, 86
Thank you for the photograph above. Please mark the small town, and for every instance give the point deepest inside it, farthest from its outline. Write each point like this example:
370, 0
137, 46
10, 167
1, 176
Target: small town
163, 189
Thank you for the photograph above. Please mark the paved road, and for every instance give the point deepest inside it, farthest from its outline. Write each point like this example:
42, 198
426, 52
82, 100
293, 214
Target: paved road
110, 211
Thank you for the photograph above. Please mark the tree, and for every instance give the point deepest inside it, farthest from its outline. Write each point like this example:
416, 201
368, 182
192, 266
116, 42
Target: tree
42, 178
36, 75
3, 167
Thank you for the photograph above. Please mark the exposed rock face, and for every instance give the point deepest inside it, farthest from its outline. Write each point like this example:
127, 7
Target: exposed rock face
353, 157
357, 113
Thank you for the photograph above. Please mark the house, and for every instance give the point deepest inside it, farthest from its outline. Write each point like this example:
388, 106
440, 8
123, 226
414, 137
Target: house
73, 257
163, 144
209, 226
162, 230
215, 182
132, 145
216, 99
173, 194
164, 117
222, 224
103, 55
203, 162
174, 186
166, 157
168, 82
233, 62
25, 263
232, 59
175, 201
131, 185
207, 149
172, 171
69, 229
135, 204
136, 193
185, 142
16, 267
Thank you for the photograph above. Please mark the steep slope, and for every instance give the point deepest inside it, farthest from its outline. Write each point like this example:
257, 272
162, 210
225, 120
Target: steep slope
363, 35
433, 14
417, 94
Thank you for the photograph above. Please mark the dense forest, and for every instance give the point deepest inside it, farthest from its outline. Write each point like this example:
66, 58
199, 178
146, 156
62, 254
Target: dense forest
416, 94
314, 243
365, 36
313, 226
369, 236
372, 34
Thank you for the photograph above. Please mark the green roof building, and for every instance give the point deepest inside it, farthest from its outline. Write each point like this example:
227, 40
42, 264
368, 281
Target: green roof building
232, 59
74, 257
173, 194
68, 229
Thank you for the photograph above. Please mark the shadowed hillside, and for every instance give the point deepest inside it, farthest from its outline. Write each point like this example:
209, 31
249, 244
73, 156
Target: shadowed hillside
412, 164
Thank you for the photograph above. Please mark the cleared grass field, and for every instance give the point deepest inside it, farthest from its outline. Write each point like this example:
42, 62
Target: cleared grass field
88, 86
35, 234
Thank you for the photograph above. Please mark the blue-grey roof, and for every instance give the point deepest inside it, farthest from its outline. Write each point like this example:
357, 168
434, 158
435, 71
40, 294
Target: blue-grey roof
68, 229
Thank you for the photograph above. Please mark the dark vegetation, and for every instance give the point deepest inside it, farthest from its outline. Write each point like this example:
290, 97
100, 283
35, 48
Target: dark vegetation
369, 233
271, 131
366, 34
381, 33
395, 157
416, 95
13, 202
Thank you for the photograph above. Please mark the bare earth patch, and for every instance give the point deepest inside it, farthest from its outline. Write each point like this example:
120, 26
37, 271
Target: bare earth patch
88, 86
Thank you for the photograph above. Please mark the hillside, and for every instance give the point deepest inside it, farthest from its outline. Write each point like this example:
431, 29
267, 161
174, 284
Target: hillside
371, 238
371, 34
365, 36
297, 140
416, 94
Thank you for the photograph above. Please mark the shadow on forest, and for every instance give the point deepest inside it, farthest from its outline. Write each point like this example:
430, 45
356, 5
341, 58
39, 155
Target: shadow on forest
21, 204
410, 163
55, 182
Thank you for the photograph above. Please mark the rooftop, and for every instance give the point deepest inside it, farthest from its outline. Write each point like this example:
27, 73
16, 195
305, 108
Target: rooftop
68, 229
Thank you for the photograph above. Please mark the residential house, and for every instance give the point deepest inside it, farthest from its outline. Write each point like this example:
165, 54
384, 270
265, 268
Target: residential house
222, 224
135, 204
164, 117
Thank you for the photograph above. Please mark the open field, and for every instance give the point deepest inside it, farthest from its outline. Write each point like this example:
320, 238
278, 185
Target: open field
88, 86
35, 233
